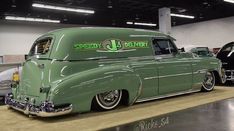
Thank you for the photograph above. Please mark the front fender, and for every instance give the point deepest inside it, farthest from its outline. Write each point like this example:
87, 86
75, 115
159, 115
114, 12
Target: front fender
79, 89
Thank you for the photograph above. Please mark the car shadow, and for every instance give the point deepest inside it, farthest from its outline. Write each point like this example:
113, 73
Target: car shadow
2, 101
229, 84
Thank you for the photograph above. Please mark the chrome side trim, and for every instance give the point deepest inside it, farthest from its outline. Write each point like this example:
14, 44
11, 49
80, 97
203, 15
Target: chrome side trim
165, 96
182, 74
150, 78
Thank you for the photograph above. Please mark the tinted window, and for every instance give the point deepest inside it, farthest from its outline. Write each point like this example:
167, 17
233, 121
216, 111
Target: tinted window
164, 47
41, 47
228, 47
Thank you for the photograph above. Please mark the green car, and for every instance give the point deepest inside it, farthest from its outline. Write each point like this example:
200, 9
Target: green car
76, 70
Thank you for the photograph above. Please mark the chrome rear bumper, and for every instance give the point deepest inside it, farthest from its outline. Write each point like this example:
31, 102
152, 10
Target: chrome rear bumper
46, 109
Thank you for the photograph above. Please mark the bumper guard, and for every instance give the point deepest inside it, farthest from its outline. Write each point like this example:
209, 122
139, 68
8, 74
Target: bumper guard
47, 109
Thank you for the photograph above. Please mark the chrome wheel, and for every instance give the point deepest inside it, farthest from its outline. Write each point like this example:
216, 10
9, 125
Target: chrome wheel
109, 100
209, 82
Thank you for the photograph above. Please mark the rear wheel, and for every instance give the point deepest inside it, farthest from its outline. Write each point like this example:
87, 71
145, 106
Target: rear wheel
209, 82
107, 100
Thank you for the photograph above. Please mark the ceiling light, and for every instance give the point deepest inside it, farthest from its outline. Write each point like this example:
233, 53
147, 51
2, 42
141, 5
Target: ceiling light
183, 16
63, 8
31, 19
230, 1
144, 24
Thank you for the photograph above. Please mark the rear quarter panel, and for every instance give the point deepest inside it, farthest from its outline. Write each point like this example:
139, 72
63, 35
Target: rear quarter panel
79, 89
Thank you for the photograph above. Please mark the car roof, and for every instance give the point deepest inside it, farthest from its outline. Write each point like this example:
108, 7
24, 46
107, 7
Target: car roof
108, 29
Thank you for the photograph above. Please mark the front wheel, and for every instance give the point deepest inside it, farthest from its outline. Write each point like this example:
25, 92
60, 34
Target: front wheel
209, 82
107, 100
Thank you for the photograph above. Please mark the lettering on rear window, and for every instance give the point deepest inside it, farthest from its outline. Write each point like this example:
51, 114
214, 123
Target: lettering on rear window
112, 45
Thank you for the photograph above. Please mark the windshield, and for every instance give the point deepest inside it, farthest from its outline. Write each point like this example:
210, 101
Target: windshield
41, 47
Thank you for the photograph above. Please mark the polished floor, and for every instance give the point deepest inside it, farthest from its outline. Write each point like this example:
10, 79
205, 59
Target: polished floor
217, 116
181, 120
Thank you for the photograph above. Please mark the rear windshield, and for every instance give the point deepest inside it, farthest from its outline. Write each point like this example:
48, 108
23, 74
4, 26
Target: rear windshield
41, 47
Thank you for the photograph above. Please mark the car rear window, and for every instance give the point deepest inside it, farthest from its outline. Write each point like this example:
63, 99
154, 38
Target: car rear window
41, 46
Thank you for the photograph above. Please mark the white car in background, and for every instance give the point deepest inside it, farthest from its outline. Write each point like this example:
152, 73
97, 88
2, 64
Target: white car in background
6, 80
200, 50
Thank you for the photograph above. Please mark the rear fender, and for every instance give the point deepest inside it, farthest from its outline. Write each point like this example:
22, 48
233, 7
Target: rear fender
80, 89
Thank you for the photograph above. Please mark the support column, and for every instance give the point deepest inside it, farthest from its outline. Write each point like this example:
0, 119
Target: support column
165, 20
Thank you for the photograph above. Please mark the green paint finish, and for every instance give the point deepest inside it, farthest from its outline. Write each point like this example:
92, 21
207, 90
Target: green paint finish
73, 76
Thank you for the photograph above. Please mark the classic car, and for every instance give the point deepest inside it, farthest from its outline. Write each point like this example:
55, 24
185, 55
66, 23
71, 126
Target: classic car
6, 80
226, 55
76, 70
199, 50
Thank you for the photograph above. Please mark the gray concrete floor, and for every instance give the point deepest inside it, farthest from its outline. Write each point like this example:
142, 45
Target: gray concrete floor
217, 116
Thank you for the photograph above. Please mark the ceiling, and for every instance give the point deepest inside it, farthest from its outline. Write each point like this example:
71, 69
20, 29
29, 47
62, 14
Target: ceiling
117, 12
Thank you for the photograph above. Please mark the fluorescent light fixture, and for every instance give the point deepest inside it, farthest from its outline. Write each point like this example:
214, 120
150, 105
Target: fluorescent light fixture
44, 6
230, 1
144, 24
130, 23
183, 16
31, 19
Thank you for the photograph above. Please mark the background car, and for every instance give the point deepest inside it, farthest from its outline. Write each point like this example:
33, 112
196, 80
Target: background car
226, 55
6, 80
200, 50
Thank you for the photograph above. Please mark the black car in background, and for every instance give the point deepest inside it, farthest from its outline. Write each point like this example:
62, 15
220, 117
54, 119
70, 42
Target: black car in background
226, 55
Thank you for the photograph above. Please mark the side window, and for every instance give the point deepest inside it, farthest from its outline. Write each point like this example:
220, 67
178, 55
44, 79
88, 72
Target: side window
41, 47
228, 48
163, 47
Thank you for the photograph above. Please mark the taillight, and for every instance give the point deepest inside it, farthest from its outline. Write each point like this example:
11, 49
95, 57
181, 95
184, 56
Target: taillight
16, 77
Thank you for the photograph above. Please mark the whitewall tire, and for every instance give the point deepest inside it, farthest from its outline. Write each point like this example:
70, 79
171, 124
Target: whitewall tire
108, 100
209, 82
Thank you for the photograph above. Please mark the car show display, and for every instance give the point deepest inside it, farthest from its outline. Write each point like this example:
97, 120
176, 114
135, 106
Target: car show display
75, 70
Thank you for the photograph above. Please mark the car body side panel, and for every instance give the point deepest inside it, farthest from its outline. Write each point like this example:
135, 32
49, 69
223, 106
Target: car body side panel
79, 89
174, 75
148, 72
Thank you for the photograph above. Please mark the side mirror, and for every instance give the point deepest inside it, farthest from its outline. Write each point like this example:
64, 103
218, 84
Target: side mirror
26, 57
182, 49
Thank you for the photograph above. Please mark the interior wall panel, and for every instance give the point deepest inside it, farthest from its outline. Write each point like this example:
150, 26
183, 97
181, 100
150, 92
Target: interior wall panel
214, 33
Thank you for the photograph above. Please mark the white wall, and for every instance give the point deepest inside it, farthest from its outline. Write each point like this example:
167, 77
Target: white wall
214, 33
17, 37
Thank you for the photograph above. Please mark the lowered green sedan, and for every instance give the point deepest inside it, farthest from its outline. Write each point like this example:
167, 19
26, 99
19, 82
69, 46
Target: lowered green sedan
75, 70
